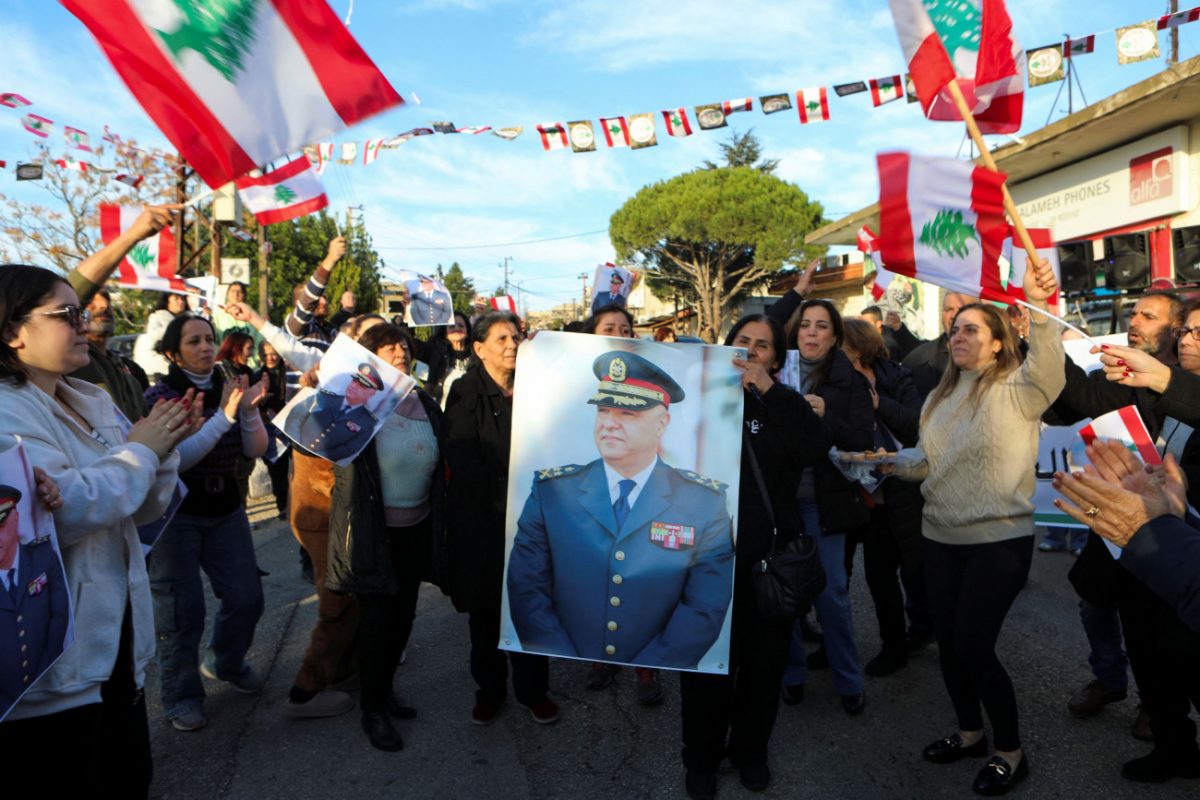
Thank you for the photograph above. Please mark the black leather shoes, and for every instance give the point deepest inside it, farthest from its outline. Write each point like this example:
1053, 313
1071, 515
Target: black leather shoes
951, 749
700, 785
1158, 766
380, 731
755, 778
997, 777
398, 709
853, 704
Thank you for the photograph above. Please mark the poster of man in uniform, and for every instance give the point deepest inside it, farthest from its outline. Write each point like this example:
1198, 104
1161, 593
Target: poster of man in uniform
355, 393
429, 302
611, 286
35, 603
622, 504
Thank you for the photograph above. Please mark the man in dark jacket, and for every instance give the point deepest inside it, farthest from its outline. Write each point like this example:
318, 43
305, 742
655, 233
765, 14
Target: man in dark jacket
928, 360
899, 340
123, 379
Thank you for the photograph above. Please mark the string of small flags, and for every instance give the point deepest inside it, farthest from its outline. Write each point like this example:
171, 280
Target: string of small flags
1046, 64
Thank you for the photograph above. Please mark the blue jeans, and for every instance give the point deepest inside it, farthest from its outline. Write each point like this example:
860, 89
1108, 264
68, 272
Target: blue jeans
223, 548
1066, 538
1106, 657
833, 612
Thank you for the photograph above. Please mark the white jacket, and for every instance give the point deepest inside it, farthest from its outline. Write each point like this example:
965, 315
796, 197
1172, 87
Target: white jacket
144, 353
107, 491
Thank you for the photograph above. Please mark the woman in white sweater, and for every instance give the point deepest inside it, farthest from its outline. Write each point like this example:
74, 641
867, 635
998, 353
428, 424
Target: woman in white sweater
978, 444
84, 721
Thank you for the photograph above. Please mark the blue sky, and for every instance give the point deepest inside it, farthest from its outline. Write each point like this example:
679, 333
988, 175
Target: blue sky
503, 62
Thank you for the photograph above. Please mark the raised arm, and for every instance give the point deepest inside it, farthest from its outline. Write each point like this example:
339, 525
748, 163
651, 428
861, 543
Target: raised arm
297, 321
93, 271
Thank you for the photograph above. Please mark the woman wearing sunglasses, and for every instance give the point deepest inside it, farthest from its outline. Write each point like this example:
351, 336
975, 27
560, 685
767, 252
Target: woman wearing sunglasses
84, 720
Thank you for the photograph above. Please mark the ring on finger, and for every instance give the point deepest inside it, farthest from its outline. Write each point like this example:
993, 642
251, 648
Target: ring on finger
1093, 512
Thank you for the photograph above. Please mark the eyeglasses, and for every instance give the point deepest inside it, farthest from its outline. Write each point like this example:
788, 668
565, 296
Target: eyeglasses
72, 315
1180, 333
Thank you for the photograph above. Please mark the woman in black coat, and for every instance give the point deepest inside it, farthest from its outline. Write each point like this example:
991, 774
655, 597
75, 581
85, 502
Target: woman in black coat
479, 436
449, 355
892, 541
733, 715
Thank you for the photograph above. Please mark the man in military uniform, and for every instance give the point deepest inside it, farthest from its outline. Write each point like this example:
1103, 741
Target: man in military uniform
613, 296
34, 610
625, 559
337, 426
428, 306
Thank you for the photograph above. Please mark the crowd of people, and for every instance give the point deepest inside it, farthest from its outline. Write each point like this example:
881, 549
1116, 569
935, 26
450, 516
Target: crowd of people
948, 538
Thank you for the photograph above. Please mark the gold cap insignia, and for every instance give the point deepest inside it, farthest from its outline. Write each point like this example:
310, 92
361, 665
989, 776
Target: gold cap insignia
616, 370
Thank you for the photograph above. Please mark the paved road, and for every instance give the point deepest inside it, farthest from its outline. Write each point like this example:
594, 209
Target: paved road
605, 746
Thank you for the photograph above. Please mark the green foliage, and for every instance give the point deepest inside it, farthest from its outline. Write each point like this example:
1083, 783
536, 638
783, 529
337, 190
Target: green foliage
744, 150
461, 288
712, 235
946, 234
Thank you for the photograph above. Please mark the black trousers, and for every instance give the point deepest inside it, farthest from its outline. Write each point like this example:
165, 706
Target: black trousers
891, 546
971, 588
386, 620
489, 664
1165, 657
102, 748
278, 471
733, 715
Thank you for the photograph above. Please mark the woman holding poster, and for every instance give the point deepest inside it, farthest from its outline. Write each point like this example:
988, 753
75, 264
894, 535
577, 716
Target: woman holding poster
733, 715
976, 454
84, 721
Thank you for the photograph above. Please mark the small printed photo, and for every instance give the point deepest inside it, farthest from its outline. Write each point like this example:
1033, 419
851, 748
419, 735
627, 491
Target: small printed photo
429, 302
611, 286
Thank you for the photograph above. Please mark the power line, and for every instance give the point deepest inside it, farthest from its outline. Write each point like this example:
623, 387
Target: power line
496, 244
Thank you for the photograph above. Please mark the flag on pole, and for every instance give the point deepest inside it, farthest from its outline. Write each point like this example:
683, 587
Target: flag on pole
1178, 18
941, 220
885, 90
291, 191
503, 303
1137, 42
130, 180
583, 137
349, 153
76, 138
37, 125
1127, 427
641, 131
773, 103
1012, 261
69, 162
238, 83
813, 105
151, 262
676, 120
1079, 47
970, 42
371, 150
616, 131
734, 106
554, 135
13, 100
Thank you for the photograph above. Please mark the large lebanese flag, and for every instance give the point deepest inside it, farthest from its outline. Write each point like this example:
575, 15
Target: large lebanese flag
970, 42
941, 220
262, 80
150, 265
291, 191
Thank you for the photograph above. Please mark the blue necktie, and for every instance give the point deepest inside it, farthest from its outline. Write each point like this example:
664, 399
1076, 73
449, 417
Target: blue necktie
621, 507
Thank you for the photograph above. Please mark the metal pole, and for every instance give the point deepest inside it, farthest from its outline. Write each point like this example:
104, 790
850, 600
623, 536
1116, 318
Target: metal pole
263, 275
1174, 36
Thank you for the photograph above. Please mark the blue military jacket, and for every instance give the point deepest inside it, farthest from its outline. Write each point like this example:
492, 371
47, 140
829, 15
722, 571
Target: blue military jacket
332, 433
654, 593
34, 625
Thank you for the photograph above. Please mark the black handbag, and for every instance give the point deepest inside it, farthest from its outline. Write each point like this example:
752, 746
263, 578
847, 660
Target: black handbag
786, 581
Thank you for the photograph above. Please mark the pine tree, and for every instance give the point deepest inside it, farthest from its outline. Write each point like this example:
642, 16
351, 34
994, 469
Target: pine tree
744, 150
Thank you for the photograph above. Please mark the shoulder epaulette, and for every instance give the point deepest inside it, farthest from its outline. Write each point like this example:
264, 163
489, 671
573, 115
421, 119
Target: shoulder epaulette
708, 483
555, 472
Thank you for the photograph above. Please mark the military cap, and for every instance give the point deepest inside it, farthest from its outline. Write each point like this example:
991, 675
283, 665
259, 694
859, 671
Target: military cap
629, 381
616, 278
9, 496
368, 376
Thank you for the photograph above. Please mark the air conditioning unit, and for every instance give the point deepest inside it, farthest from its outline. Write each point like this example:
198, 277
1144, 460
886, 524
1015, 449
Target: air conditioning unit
1127, 261
1186, 243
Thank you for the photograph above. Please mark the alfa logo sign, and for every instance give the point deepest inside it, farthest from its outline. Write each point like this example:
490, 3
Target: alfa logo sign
1150, 177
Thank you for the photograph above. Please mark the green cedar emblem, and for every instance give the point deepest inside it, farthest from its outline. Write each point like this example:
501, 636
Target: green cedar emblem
959, 24
219, 31
947, 234
812, 105
284, 196
140, 255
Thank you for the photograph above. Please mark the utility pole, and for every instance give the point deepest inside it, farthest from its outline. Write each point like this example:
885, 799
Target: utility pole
504, 267
583, 306
263, 276
1174, 36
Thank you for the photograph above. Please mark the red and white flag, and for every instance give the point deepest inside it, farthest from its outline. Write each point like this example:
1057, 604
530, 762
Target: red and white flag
677, 122
69, 162
1013, 256
13, 100
291, 191
237, 84
868, 243
1178, 18
320, 155
503, 303
151, 263
885, 90
371, 150
475, 130
970, 42
1127, 427
554, 135
37, 125
1079, 47
941, 220
130, 180
76, 138
812, 105
734, 106
616, 131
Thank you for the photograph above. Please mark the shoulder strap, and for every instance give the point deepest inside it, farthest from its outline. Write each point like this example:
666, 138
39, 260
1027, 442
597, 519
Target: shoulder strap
762, 490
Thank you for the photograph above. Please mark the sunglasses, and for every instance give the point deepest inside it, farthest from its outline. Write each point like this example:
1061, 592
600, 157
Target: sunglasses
72, 315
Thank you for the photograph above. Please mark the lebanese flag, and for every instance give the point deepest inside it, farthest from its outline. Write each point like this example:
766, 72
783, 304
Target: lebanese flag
291, 191
320, 155
1012, 261
868, 243
235, 85
734, 106
677, 123
813, 105
1178, 18
1126, 426
970, 42
371, 150
13, 100
151, 263
941, 220
69, 162
554, 135
616, 131
885, 90
37, 125
130, 180
77, 138
503, 303
1079, 47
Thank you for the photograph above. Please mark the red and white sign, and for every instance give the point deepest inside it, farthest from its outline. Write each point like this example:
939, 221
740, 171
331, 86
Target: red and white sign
1150, 177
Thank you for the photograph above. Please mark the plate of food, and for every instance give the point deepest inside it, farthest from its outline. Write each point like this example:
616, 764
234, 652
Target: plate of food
867, 457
